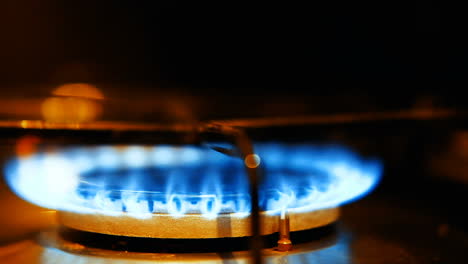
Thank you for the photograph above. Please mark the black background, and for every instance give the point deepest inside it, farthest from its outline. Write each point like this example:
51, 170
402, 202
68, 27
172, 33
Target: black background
319, 47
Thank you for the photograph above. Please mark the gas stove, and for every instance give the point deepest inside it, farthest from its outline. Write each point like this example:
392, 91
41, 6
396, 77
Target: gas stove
224, 132
214, 193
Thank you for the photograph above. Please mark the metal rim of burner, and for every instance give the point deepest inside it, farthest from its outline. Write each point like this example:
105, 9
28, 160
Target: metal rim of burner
192, 226
78, 244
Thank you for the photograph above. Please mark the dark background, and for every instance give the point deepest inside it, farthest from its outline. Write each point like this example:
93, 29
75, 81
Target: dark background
321, 48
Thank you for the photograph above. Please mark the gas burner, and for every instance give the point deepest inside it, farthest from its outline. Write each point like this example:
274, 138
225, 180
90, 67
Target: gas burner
191, 191
71, 246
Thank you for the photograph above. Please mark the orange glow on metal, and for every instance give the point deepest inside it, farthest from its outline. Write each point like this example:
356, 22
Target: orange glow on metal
73, 103
82, 90
252, 161
26, 145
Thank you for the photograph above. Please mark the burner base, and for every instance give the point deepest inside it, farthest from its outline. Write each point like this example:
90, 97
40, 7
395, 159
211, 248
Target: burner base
191, 226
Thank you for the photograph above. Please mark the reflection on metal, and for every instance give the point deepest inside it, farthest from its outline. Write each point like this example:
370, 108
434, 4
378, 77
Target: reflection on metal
27, 145
58, 109
284, 243
73, 103
175, 227
82, 90
411, 114
252, 161
345, 118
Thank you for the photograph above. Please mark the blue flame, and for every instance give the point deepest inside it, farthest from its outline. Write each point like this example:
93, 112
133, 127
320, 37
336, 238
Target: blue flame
143, 180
